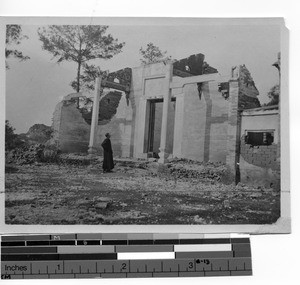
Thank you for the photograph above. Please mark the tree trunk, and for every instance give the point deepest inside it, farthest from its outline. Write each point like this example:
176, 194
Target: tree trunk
78, 77
78, 81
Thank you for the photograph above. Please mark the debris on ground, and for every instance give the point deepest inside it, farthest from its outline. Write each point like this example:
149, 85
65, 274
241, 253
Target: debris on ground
76, 191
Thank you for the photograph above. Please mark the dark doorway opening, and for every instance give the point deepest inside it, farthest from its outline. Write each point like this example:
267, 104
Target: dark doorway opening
155, 113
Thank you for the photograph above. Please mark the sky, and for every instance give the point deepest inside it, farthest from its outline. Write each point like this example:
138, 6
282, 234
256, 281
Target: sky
35, 86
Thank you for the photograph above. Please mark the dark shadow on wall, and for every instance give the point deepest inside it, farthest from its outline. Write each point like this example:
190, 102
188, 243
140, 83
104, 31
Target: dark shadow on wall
108, 106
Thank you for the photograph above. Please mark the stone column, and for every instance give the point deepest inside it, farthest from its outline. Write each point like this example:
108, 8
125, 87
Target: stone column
178, 128
95, 117
233, 130
163, 154
141, 129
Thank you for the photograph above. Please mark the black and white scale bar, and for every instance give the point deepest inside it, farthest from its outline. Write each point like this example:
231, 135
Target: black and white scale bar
44, 242
45, 257
179, 267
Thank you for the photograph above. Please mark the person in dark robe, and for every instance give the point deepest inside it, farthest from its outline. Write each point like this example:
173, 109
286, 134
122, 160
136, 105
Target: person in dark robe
108, 162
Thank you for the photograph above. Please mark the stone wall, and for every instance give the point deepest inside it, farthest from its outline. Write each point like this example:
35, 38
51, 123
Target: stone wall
204, 126
216, 123
148, 83
71, 124
260, 155
193, 125
260, 164
71, 131
247, 90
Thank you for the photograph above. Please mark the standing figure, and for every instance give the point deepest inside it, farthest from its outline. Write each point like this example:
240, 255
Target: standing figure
108, 162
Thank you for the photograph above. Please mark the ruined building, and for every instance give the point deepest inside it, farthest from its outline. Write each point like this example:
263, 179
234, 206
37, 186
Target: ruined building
183, 109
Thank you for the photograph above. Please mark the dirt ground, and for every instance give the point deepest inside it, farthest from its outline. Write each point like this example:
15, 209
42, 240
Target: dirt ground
135, 193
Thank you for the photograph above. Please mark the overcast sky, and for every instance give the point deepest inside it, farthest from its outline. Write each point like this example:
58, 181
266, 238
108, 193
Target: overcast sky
34, 87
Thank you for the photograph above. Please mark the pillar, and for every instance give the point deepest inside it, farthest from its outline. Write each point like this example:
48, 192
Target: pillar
233, 130
141, 128
95, 117
163, 154
178, 128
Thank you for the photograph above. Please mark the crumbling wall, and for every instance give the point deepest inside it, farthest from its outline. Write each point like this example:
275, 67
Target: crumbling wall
72, 123
71, 131
247, 90
259, 164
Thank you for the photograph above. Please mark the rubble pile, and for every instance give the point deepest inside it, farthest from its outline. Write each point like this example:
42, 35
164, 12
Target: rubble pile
77, 159
183, 169
26, 154
208, 172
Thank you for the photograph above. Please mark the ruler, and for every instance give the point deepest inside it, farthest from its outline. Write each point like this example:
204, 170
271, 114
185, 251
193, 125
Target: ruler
108, 255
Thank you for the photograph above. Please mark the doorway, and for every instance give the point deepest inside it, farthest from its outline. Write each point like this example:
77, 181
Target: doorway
155, 113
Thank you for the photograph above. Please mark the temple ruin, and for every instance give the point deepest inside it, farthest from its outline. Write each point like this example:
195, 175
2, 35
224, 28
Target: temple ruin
184, 109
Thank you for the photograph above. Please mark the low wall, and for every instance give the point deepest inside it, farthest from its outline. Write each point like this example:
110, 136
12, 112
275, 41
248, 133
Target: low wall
260, 164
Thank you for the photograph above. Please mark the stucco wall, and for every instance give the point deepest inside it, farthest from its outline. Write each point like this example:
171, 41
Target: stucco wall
72, 127
204, 123
193, 127
259, 164
73, 132
216, 125
148, 84
261, 120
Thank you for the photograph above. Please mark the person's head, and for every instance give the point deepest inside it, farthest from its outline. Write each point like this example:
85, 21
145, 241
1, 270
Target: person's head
107, 135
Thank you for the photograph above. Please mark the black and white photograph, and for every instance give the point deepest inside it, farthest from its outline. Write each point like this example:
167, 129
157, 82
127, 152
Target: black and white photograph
137, 121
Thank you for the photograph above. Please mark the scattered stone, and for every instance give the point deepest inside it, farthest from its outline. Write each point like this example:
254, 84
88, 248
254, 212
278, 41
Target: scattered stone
99, 216
101, 205
79, 188
226, 204
103, 199
255, 195
83, 202
26, 154
199, 220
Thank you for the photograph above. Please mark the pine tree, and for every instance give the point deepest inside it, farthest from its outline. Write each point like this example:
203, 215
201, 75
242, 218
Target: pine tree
79, 44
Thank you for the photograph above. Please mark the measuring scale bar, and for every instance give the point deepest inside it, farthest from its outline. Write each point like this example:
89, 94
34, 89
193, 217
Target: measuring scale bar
166, 256
124, 268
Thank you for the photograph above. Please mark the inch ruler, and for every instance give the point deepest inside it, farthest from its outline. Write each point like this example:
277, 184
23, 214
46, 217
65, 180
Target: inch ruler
123, 256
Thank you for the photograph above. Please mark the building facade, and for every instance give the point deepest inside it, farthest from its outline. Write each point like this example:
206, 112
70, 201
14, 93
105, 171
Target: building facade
184, 109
